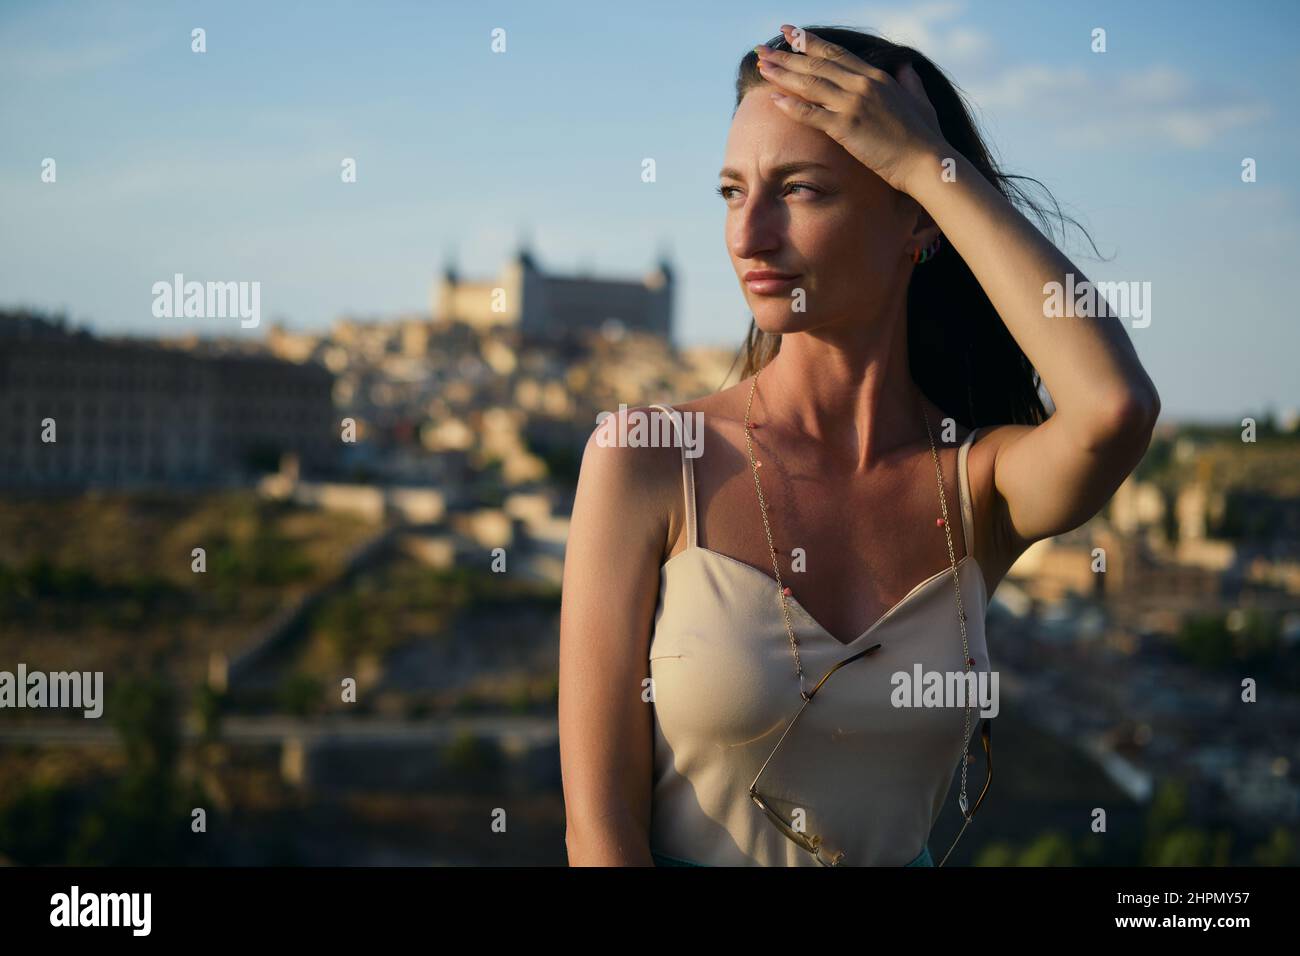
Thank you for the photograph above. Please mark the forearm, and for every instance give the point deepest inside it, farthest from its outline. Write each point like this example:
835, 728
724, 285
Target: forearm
1088, 364
615, 839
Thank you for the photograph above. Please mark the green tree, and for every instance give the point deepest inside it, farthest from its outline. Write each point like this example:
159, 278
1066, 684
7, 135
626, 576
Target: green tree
34, 824
1048, 849
1278, 850
144, 818
1204, 640
998, 853
301, 695
1171, 841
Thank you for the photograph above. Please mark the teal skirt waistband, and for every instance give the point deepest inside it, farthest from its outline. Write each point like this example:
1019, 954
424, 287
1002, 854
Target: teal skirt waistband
923, 858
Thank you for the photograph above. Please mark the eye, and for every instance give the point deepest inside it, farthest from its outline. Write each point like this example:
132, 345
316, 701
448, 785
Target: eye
725, 191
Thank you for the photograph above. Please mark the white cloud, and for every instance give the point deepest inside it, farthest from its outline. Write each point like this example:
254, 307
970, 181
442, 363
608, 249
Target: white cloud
1019, 88
1094, 107
1157, 84
932, 28
1195, 127
1075, 106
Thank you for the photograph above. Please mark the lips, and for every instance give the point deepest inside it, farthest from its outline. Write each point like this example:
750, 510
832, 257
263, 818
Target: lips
769, 282
768, 274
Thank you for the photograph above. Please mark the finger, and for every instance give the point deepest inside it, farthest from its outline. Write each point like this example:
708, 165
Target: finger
908, 78
814, 89
805, 112
810, 43
841, 74
911, 81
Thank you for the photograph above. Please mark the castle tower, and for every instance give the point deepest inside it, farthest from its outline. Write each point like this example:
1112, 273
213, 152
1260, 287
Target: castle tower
661, 283
442, 302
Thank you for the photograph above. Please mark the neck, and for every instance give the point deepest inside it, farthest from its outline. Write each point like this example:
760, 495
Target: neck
852, 392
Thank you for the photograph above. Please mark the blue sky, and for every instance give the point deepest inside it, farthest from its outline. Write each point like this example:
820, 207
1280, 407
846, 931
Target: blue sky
225, 165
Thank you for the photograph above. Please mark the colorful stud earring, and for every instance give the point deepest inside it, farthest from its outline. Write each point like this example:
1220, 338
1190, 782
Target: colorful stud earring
920, 255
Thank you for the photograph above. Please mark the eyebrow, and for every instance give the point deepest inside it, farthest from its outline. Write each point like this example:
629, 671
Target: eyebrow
784, 169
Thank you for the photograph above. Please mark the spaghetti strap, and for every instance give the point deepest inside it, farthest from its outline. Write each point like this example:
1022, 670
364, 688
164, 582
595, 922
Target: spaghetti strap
963, 488
688, 473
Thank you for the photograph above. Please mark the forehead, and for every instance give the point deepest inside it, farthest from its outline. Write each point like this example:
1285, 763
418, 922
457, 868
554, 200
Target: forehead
762, 136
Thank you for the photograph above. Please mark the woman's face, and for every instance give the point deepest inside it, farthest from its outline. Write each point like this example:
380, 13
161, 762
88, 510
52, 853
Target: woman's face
836, 225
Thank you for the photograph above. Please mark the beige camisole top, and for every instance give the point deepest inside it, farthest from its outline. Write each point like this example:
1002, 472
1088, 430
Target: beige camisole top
869, 777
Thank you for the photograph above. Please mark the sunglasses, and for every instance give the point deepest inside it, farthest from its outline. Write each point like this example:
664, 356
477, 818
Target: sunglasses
813, 843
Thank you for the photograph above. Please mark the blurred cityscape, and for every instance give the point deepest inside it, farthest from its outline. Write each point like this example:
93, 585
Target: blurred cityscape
387, 501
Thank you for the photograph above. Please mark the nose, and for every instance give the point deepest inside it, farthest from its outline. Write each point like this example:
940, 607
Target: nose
755, 227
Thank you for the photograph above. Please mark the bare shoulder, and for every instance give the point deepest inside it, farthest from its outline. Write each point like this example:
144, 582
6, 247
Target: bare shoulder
631, 483
620, 455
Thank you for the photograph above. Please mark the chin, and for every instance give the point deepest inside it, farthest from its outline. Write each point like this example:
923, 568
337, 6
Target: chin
774, 317
780, 328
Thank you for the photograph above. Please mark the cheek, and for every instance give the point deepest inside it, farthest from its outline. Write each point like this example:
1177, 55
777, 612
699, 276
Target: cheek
846, 245
835, 245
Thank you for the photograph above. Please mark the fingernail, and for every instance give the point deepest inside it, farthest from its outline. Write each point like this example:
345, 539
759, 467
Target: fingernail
778, 96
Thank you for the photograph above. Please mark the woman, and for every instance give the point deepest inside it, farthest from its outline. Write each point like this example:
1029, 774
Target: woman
898, 302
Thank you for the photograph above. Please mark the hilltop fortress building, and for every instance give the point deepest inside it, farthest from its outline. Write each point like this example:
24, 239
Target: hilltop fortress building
554, 308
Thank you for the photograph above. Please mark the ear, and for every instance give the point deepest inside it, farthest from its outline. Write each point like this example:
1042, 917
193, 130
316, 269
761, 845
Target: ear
924, 229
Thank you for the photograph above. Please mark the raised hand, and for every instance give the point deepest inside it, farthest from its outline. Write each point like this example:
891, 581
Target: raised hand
887, 124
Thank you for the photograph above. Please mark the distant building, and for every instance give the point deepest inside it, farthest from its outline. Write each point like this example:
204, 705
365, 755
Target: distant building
1137, 506
1189, 577
548, 308
130, 412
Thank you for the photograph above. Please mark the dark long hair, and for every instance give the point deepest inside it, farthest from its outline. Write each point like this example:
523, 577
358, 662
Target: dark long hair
960, 353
